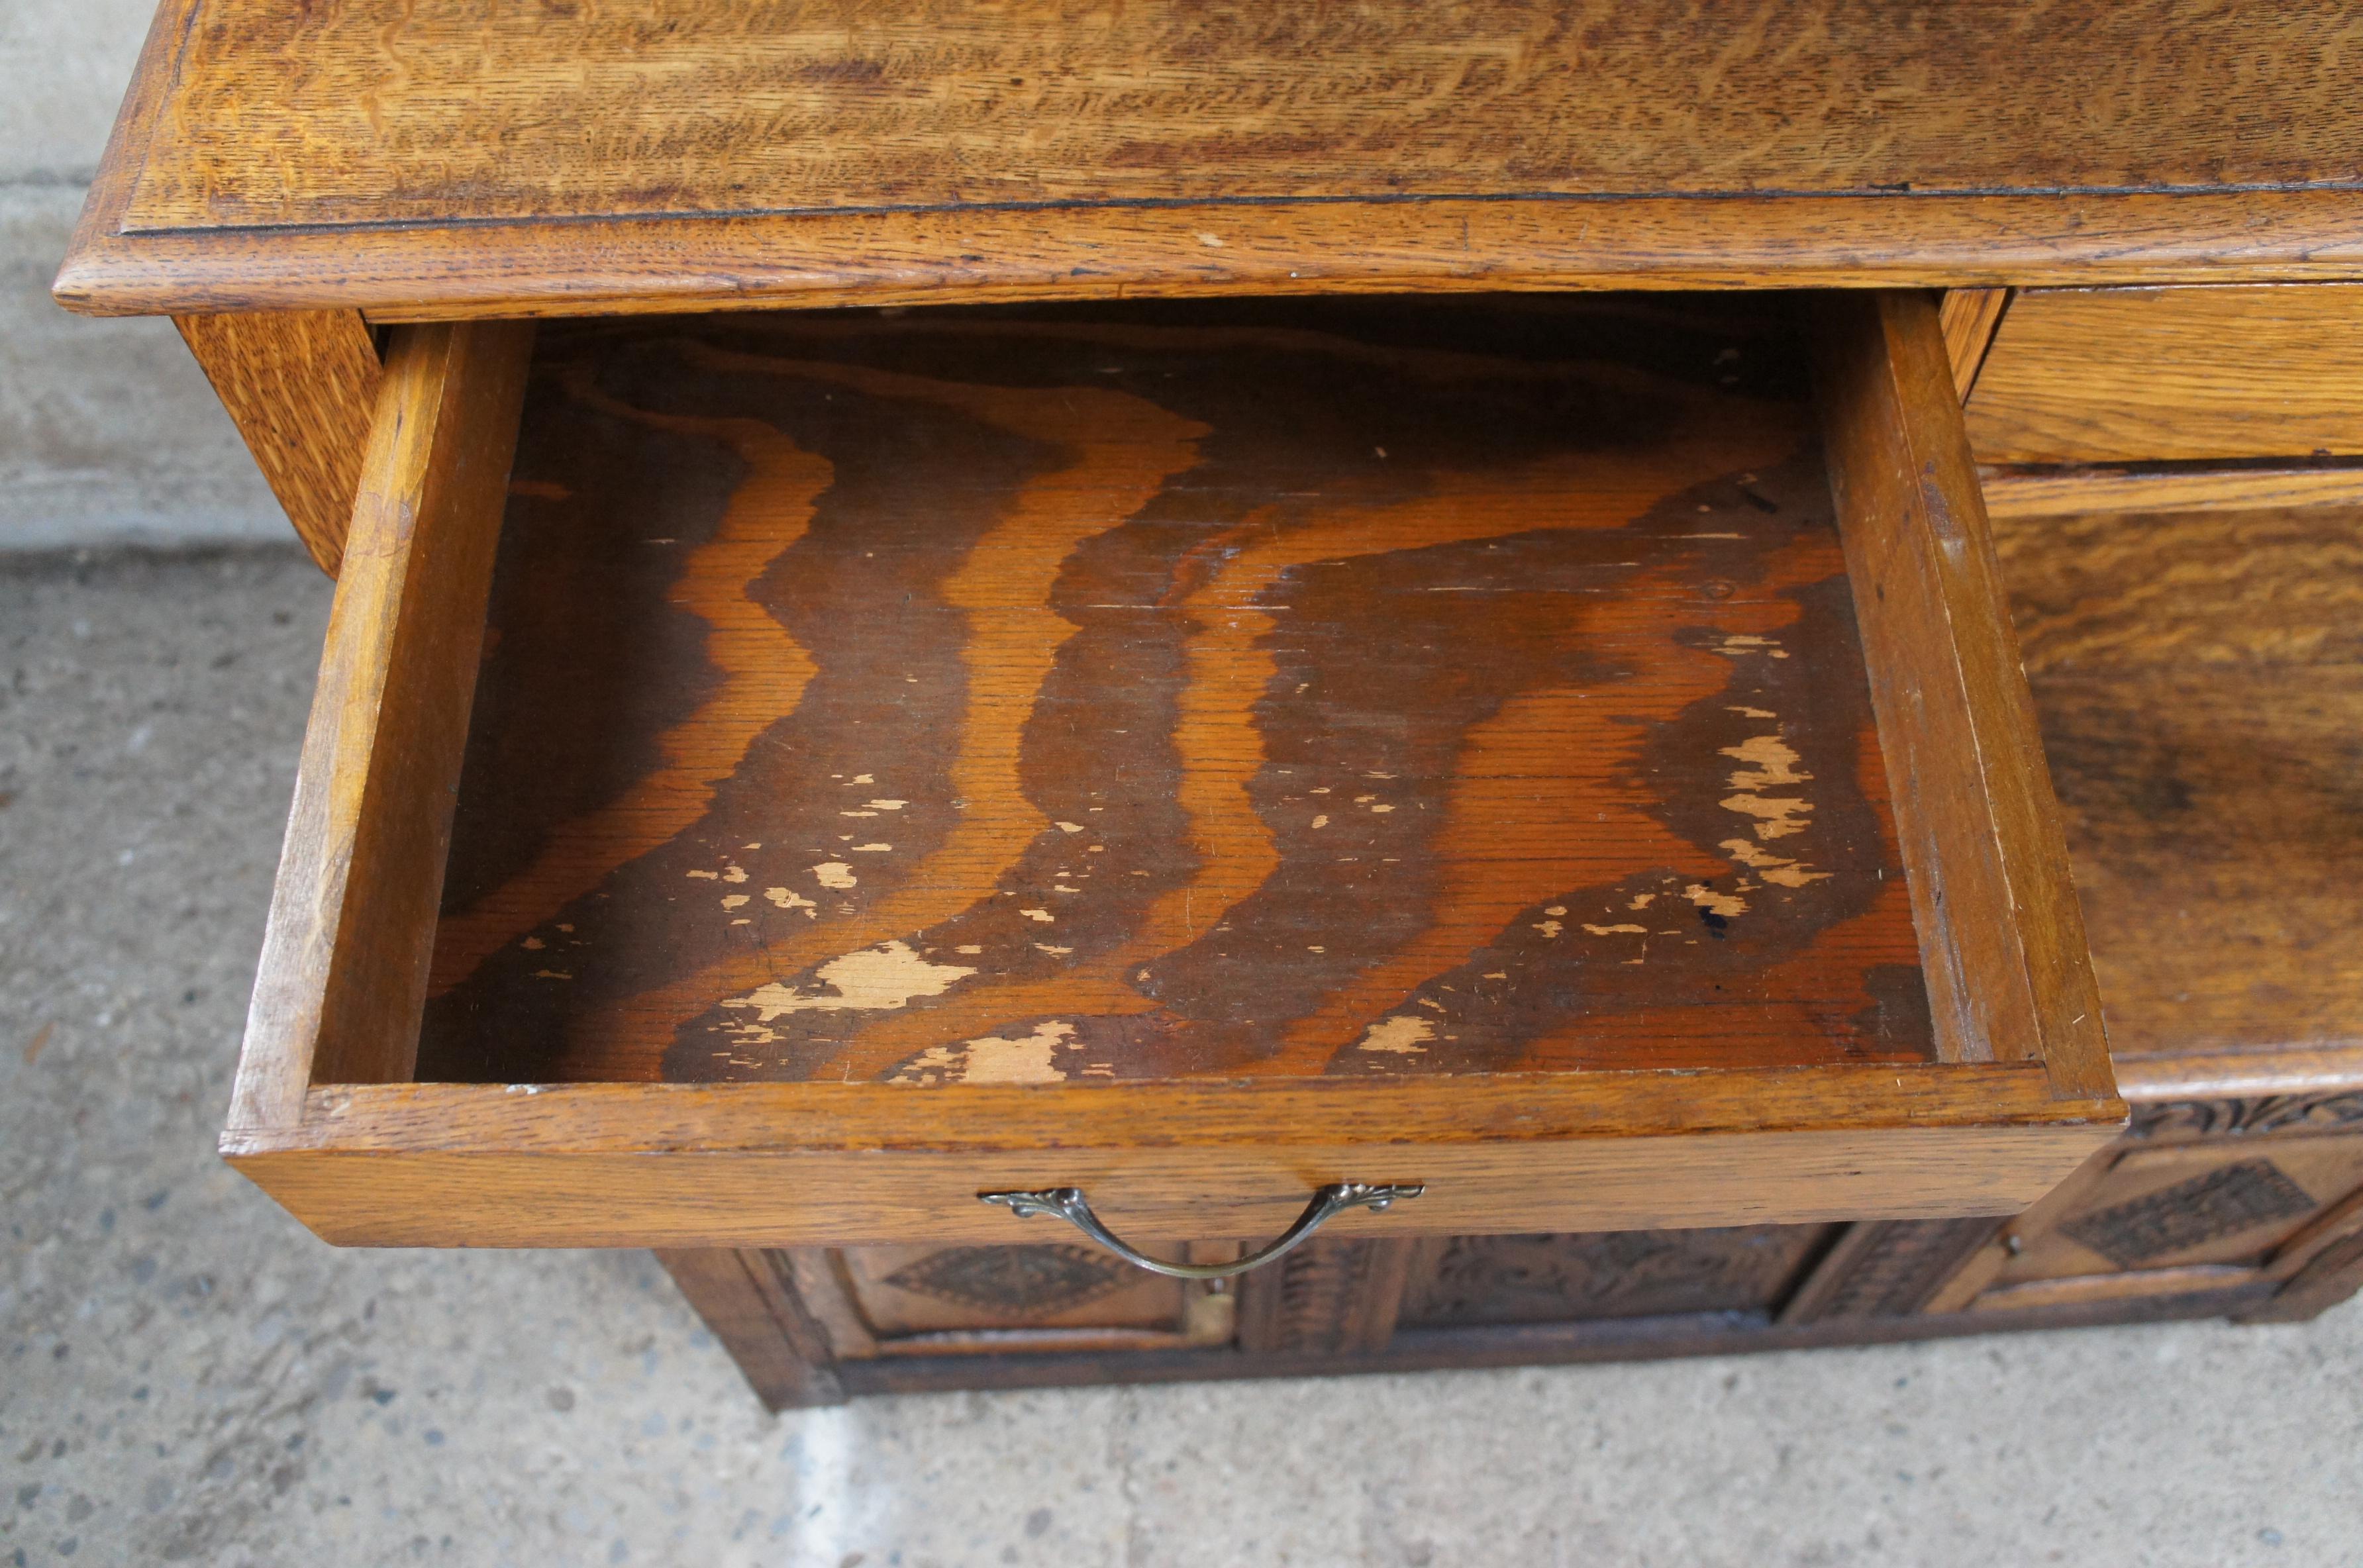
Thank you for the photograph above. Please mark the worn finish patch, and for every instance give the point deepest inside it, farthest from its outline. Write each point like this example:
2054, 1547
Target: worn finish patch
1073, 696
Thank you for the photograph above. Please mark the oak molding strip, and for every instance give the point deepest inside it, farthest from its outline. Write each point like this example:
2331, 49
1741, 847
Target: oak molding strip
2224, 1075
2053, 490
648, 266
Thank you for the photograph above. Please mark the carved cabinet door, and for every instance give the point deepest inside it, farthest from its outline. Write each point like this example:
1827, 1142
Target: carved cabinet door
2224, 1213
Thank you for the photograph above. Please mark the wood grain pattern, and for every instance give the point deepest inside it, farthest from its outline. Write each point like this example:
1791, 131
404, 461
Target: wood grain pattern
427, 272
1976, 816
1214, 691
428, 160
1616, 1273
2135, 375
770, 1165
1330, 1296
915, 1184
377, 112
1884, 1269
343, 971
1969, 317
2200, 679
2053, 491
302, 388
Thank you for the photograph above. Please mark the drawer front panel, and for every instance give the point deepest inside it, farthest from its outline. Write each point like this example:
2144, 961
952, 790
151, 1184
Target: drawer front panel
549, 1194
2148, 375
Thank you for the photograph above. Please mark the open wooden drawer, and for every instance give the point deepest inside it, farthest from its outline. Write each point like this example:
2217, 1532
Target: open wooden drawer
1189, 753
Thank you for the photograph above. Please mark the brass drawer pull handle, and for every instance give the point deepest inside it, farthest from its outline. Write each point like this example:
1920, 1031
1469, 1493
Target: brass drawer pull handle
1068, 1204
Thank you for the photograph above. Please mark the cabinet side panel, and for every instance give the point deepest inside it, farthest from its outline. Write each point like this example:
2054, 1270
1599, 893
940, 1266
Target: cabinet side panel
301, 386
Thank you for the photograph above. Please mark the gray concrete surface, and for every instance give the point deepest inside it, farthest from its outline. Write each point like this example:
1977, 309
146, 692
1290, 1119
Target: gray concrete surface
108, 432
186, 1376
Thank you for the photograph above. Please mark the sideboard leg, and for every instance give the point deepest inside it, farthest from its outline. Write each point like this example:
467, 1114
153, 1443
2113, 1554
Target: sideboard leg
755, 1313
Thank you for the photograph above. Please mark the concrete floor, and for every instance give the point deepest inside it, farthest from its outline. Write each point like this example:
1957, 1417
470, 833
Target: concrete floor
187, 1376
108, 432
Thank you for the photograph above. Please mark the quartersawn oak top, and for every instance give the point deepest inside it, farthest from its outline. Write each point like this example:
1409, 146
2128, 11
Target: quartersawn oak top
1203, 692
437, 157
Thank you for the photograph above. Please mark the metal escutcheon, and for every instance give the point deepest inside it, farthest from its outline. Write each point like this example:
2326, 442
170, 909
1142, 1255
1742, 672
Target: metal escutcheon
1068, 1204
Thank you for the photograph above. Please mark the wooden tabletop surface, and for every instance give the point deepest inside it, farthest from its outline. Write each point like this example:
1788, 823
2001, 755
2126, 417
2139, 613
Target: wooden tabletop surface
439, 156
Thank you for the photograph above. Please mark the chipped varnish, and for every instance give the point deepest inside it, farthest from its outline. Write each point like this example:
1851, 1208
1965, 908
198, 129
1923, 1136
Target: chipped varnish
1174, 691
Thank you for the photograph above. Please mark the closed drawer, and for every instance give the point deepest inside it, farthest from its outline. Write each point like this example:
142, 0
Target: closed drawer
1189, 754
2149, 375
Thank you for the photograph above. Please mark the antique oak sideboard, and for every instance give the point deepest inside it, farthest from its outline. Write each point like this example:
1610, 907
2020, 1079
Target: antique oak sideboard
1078, 693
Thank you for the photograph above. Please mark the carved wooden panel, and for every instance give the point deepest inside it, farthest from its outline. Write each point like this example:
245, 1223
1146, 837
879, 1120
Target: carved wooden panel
2180, 1205
2250, 1115
1886, 1269
1327, 1298
1035, 1296
2226, 1201
1086, 697
1030, 1281
1614, 1273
